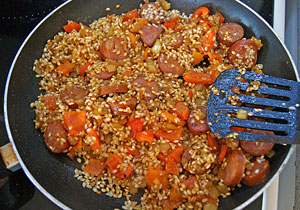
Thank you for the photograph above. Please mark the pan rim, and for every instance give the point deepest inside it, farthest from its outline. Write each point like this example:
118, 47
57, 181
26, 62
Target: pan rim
62, 205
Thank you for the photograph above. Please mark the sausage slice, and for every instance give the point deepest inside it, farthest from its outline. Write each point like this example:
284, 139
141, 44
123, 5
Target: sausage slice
258, 173
55, 137
200, 126
153, 12
119, 108
170, 65
186, 161
73, 96
243, 53
119, 88
150, 33
104, 75
234, 170
151, 87
229, 33
114, 49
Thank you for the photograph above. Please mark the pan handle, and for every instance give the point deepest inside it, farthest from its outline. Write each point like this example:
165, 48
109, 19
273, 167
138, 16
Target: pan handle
9, 158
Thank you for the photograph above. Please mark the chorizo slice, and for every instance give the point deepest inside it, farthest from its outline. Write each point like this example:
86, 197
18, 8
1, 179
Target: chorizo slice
170, 65
229, 33
114, 48
150, 33
118, 88
73, 96
153, 12
243, 53
104, 75
257, 148
121, 108
234, 170
55, 137
151, 87
258, 173
200, 126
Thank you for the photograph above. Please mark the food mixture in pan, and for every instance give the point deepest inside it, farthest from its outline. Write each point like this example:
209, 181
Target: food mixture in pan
126, 97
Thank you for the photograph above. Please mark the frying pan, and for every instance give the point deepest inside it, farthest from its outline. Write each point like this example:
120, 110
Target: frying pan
53, 174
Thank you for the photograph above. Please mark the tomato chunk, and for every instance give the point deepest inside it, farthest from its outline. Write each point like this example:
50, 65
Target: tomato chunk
172, 118
50, 102
72, 26
171, 23
222, 153
131, 15
145, 136
136, 126
94, 167
83, 69
93, 139
113, 162
201, 12
74, 121
182, 110
197, 77
156, 176
65, 68
171, 136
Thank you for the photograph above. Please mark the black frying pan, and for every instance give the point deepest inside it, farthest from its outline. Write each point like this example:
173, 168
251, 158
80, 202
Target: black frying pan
54, 174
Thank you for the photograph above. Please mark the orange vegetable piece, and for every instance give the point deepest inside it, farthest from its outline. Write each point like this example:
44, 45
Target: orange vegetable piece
162, 157
169, 117
207, 41
146, 53
171, 23
145, 136
171, 166
234, 128
127, 73
170, 205
133, 152
221, 17
132, 39
214, 74
190, 93
213, 56
83, 69
65, 68
182, 110
72, 26
94, 167
75, 148
197, 77
175, 194
198, 57
50, 102
201, 12
222, 153
74, 121
93, 140
171, 136
137, 26
211, 142
176, 154
113, 162
136, 126
131, 15
156, 176
126, 174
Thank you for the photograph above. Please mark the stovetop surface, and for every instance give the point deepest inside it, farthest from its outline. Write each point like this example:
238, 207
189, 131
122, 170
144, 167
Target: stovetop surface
17, 19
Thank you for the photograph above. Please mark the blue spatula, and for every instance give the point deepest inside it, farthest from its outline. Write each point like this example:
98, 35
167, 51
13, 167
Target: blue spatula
271, 106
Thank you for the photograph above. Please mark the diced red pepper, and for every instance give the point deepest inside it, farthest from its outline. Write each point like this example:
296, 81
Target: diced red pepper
171, 166
50, 102
159, 175
162, 157
131, 15
214, 56
172, 118
72, 26
182, 110
189, 183
171, 23
208, 41
175, 194
176, 154
113, 162
75, 148
190, 93
136, 126
93, 140
145, 136
222, 153
197, 77
65, 68
74, 121
202, 12
221, 17
133, 152
94, 167
234, 128
126, 174
84, 68
171, 135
